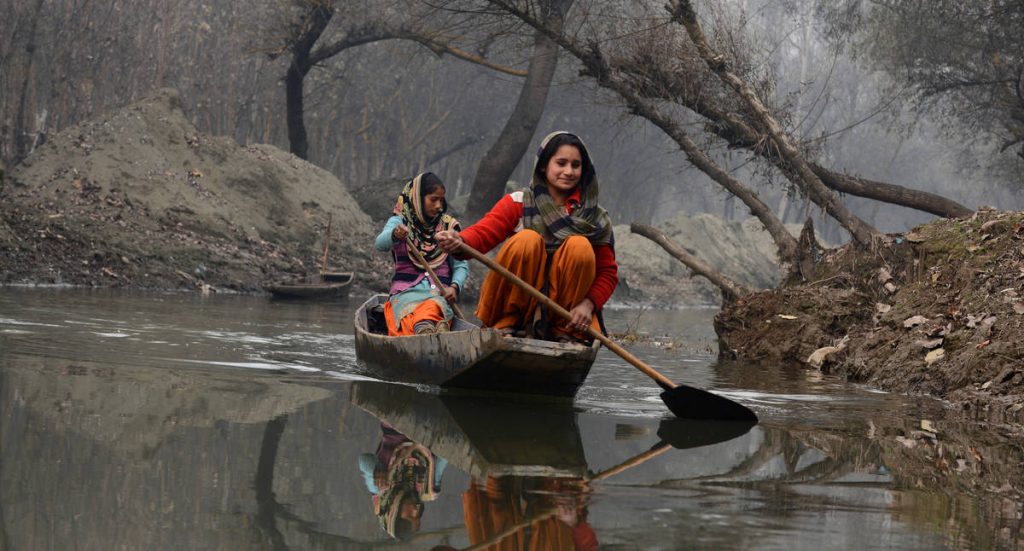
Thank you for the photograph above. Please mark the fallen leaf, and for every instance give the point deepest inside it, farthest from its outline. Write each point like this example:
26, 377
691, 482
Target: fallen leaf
787, 317
890, 287
882, 308
928, 426
1018, 307
915, 237
883, 275
935, 276
929, 344
914, 321
983, 344
973, 248
934, 356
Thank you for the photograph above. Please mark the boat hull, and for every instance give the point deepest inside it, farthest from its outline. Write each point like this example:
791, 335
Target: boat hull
469, 357
331, 286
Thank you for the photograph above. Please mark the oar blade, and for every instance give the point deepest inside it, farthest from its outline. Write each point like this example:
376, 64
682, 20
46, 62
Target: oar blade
687, 402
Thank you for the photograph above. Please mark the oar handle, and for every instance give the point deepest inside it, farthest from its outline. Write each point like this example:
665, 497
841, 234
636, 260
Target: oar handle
430, 272
663, 381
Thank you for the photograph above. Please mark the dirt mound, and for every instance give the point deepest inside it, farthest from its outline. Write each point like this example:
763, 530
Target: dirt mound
742, 250
140, 198
939, 311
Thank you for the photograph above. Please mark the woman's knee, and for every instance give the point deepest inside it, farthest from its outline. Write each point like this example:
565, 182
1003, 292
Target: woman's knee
524, 243
579, 248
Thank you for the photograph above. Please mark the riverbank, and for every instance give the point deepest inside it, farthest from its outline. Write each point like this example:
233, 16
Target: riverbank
938, 311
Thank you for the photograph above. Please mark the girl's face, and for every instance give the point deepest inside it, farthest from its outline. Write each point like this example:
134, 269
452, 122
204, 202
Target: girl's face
433, 203
564, 171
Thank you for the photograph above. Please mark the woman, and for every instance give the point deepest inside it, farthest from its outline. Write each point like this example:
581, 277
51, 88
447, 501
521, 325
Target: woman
559, 240
416, 306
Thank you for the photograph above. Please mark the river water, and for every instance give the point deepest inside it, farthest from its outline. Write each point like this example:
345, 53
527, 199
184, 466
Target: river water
176, 421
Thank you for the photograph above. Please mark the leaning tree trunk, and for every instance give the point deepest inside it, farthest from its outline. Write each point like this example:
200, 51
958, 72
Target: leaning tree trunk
504, 155
682, 12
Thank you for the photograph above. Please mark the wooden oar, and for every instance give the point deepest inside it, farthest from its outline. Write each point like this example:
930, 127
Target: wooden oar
430, 272
684, 401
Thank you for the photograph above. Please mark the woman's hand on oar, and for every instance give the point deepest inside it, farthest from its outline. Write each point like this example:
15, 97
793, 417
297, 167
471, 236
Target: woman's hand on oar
447, 292
684, 401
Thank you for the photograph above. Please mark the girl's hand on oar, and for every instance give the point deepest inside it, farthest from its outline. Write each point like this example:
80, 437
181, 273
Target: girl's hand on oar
450, 293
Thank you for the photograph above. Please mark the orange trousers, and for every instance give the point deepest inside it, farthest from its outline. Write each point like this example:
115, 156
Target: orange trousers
427, 310
572, 272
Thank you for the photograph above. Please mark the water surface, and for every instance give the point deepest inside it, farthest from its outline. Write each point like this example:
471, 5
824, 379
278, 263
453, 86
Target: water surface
175, 421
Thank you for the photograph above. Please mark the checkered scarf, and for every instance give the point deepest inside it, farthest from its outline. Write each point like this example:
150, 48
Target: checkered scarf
541, 214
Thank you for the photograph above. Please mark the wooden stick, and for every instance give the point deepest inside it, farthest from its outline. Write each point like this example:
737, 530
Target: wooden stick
430, 272
327, 241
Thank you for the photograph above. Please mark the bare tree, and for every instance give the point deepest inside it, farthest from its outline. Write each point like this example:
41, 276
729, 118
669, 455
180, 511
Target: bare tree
505, 153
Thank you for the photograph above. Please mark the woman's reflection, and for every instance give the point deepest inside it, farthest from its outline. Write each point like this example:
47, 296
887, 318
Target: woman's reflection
401, 475
515, 513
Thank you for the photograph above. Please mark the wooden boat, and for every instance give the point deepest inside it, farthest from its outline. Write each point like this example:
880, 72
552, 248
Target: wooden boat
330, 285
326, 285
481, 435
470, 357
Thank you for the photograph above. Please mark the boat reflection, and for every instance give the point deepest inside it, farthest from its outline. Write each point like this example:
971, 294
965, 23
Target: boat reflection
529, 486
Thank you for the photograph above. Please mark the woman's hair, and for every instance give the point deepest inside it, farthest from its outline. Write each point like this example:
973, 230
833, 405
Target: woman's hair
429, 183
545, 154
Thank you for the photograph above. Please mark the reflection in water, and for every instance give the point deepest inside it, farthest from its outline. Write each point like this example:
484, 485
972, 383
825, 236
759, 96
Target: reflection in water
529, 486
401, 475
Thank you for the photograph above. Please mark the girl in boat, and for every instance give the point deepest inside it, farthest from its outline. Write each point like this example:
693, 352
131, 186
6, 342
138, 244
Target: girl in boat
417, 305
559, 240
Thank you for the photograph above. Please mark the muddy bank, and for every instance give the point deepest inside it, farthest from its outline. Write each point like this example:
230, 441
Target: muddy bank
139, 198
938, 311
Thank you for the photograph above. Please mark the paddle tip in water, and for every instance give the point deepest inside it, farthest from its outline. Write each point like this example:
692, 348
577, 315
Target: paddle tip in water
687, 402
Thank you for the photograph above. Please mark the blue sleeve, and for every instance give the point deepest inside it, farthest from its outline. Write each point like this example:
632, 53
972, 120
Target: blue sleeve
460, 271
384, 241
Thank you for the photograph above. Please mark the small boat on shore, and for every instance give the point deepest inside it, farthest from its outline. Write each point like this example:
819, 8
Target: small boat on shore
329, 285
470, 357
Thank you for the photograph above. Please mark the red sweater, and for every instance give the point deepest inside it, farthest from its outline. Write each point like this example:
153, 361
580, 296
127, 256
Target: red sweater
501, 222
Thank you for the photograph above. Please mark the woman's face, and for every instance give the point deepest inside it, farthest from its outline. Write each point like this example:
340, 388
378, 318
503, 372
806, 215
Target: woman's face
433, 202
564, 170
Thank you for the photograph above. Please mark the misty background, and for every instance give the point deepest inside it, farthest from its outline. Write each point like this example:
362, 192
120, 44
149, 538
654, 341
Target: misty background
388, 109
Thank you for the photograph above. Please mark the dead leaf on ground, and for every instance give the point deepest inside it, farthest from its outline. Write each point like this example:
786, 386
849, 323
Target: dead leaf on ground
914, 321
929, 344
787, 317
882, 308
983, 344
934, 356
915, 237
1018, 307
928, 426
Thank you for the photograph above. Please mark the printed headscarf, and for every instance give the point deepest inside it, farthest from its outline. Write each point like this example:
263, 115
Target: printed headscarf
541, 214
421, 231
